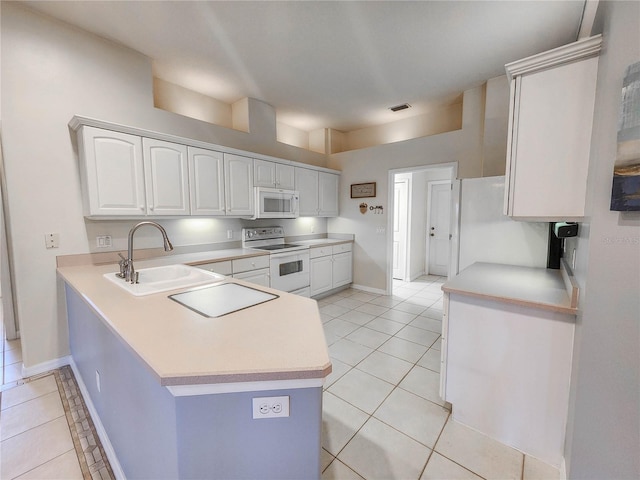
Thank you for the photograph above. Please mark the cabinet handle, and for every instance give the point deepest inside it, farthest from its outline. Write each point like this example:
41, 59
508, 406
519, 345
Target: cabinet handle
150, 207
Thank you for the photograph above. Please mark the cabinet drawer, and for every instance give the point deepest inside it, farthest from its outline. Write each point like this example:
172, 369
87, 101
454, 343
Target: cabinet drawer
343, 247
251, 263
223, 268
320, 252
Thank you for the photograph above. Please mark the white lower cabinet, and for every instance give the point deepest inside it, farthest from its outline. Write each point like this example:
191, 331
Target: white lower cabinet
331, 267
250, 269
259, 277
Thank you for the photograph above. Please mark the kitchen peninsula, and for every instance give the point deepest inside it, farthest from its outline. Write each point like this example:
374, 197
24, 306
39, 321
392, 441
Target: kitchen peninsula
174, 389
506, 354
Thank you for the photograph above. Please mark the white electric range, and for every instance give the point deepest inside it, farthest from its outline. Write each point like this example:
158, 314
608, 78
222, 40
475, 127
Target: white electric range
288, 263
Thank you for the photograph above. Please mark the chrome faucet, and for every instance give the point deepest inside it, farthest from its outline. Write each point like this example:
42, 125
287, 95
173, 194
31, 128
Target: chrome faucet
126, 264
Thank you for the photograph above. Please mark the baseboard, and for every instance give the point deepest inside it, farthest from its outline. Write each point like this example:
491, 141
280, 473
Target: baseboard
102, 433
377, 291
45, 366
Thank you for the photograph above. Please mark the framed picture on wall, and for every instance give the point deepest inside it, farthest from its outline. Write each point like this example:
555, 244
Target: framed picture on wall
363, 190
625, 193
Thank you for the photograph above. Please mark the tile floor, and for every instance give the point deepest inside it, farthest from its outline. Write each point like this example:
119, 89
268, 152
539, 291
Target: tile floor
382, 415
11, 360
36, 440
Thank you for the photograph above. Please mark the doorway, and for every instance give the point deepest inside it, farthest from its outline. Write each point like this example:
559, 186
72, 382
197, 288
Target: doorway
419, 200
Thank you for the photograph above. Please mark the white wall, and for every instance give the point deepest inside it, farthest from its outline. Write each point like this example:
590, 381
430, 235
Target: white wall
51, 72
373, 164
603, 433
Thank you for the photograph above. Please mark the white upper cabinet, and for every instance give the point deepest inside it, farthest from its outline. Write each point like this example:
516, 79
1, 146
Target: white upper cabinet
328, 194
113, 174
549, 137
238, 185
318, 192
273, 175
206, 178
131, 173
307, 186
166, 177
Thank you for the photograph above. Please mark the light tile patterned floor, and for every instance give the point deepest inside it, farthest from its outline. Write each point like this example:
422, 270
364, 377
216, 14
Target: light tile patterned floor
383, 417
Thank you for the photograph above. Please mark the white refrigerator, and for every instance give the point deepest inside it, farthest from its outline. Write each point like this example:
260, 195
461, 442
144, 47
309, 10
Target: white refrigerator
482, 233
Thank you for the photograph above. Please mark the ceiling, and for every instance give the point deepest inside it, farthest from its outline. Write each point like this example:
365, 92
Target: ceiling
330, 64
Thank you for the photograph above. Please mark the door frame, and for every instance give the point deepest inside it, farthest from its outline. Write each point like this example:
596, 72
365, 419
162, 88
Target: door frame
427, 254
453, 166
407, 229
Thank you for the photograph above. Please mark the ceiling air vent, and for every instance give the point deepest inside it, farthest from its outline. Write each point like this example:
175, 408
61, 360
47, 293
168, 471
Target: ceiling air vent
397, 108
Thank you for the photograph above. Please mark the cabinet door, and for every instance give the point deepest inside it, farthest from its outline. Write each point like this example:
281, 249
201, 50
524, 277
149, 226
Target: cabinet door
321, 274
285, 177
238, 185
273, 175
328, 194
166, 177
113, 173
206, 179
342, 269
264, 173
259, 277
307, 184
550, 142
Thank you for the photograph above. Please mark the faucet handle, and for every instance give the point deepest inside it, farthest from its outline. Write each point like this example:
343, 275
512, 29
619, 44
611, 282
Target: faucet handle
123, 266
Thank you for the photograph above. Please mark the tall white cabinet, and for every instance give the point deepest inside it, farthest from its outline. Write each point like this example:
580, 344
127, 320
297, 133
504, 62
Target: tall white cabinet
549, 136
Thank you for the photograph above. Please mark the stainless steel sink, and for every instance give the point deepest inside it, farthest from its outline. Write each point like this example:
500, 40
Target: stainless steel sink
218, 300
169, 277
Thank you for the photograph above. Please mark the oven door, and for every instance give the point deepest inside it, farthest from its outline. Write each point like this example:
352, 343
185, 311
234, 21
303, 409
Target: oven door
289, 271
276, 203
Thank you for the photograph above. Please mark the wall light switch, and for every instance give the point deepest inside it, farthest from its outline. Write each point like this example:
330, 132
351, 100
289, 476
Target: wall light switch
229, 234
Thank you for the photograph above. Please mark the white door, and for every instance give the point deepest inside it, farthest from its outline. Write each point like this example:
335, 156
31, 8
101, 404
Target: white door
438, 228
400, 209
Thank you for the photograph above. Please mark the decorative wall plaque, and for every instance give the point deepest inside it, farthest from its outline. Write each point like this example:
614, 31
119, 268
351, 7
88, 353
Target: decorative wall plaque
363, 190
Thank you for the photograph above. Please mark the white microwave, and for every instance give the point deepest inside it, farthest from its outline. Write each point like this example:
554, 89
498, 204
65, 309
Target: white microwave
276, 203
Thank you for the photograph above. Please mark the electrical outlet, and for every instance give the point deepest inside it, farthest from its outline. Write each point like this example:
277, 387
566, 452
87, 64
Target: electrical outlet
52, 240
270, 407
229, 234
98, 380
103, 241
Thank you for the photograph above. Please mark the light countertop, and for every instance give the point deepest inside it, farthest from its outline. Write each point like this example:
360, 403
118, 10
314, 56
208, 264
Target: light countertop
541, 288
282, 339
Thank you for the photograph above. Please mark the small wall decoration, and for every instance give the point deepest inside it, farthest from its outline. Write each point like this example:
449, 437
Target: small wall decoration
363, 208
363, 190
625, 193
